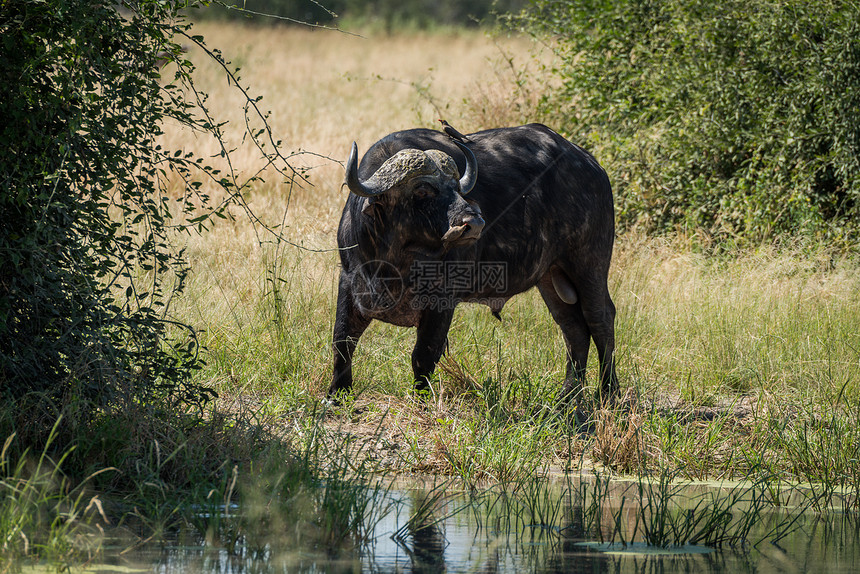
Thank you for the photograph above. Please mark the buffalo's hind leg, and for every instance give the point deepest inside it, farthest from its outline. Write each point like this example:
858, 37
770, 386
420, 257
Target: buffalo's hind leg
349, 324
599, 313
576, 339
602, 326
591, 317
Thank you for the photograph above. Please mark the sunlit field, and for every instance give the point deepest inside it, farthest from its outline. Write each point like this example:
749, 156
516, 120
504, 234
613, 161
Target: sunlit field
722, 347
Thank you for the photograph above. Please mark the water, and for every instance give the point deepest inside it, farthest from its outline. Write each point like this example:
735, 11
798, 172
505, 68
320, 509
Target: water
542, 530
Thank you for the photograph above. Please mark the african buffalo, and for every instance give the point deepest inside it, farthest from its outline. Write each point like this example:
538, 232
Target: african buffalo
416, 238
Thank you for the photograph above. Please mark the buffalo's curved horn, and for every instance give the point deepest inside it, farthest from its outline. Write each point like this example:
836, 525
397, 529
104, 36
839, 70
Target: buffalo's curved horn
402, 166
352, 181
470, 176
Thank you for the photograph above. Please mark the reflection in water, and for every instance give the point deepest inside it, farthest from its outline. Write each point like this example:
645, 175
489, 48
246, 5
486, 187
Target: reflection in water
428, 541
500, 533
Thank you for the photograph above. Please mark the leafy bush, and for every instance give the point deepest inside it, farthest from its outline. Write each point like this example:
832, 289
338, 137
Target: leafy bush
739, 119
87, 266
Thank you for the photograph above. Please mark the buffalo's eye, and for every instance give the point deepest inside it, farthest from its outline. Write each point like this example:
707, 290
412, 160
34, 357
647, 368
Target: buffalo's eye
424, 190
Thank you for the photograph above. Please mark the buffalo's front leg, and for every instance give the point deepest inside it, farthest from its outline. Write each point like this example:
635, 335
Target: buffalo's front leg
432, 336
349, 324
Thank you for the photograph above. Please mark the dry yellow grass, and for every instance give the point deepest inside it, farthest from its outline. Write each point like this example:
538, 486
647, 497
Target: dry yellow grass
325, 89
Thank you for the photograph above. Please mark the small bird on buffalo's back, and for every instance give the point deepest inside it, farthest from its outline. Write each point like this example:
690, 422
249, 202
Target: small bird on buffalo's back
453, 133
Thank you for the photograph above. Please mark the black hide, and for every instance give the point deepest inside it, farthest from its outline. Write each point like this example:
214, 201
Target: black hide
548, 220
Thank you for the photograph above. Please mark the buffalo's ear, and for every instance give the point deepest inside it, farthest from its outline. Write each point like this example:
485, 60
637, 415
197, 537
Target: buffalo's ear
372, 207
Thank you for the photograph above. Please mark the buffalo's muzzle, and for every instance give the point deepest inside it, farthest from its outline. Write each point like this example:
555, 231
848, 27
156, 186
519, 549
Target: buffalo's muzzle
468, 231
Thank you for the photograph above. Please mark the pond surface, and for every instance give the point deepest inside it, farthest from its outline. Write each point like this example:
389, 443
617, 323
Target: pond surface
554, 528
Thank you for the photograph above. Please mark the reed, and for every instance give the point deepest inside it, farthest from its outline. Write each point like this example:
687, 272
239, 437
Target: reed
43, 513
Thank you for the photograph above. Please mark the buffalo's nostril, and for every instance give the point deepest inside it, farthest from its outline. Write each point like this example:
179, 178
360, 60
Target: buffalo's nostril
468, 230
473, 226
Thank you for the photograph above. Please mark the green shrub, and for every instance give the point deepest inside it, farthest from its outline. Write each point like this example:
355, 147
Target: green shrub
81, 204
738, 119
88, 266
